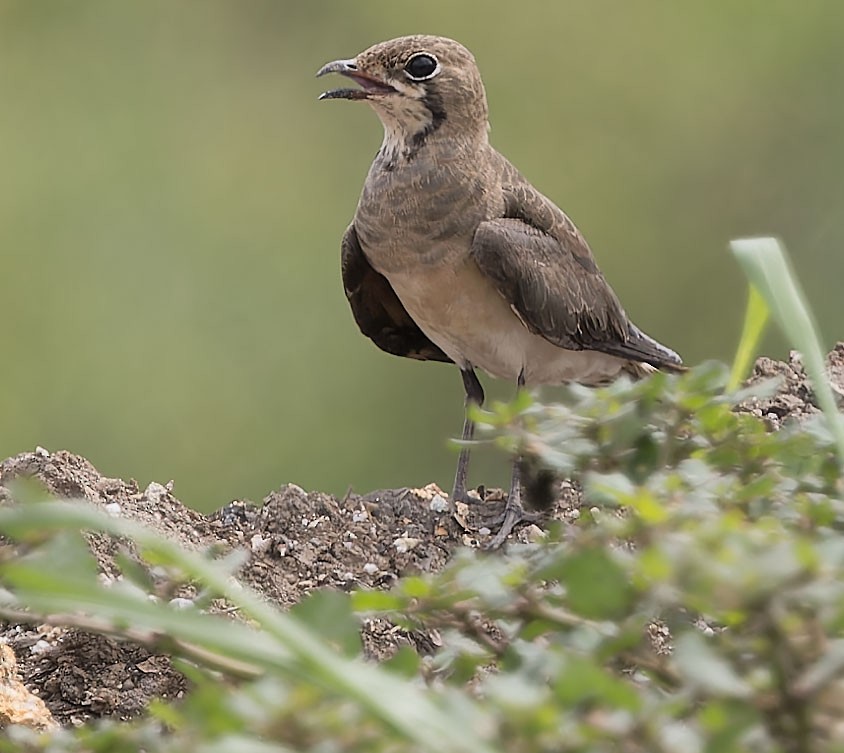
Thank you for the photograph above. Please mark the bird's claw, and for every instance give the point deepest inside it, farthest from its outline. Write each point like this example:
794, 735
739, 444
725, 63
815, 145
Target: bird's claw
488, 512
511, 517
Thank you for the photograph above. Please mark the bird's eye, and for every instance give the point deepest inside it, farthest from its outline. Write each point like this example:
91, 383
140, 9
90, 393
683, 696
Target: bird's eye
421, 66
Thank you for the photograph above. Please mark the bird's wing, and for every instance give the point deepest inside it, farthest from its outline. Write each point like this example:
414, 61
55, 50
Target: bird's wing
544, 268
376, 307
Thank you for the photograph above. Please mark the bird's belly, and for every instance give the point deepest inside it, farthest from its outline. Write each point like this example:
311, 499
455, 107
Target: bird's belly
461, 311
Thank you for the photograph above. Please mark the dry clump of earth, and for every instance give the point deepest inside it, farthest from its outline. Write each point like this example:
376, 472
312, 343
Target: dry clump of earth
297, 541
794, 397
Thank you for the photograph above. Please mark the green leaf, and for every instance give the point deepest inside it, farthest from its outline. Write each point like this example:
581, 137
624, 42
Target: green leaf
515, 690
608, 489
244, 744
375, 601
755, 319
596, 586
405, 662
727, 725
415, 587
828, 667
329, 615
583, 681
702, 666
27, 490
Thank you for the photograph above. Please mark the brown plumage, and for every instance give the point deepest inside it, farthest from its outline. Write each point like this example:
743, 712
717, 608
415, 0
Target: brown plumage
378, 310
454, 256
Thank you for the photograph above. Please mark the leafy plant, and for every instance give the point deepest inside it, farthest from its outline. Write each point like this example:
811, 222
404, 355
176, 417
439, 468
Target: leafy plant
695, 602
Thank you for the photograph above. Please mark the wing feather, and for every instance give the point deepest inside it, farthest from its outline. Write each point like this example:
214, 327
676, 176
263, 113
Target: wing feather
377, 309
544, 268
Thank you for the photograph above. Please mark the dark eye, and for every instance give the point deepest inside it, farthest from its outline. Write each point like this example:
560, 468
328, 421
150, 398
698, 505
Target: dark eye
421, 66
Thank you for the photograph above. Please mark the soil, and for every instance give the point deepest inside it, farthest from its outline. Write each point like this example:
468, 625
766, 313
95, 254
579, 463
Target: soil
297, 541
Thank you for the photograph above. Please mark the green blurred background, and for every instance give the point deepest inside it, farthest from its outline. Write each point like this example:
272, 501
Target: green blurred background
172, 197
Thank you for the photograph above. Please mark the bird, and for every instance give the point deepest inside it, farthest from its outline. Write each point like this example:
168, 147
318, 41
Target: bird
453, 256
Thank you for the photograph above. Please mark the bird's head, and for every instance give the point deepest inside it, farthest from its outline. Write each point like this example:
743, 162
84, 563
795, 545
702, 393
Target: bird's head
417, 85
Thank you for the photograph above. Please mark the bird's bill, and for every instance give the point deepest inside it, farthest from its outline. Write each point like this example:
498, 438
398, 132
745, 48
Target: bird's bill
370, 86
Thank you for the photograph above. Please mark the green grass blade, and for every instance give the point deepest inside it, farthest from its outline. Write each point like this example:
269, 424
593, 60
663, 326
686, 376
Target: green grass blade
755, 320
766, 265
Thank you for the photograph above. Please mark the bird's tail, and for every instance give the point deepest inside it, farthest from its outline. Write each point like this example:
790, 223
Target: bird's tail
642, 348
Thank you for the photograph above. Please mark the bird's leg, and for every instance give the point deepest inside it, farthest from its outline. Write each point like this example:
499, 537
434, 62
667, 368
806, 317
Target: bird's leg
513, 511
474, 396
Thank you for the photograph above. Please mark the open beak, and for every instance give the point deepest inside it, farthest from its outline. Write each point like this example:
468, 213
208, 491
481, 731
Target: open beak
370, 86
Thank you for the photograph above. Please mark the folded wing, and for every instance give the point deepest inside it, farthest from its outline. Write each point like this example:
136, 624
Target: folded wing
377, 309
543, 267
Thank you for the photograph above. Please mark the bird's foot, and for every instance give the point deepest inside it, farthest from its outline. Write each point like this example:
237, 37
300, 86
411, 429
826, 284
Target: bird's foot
513, 514
491, 510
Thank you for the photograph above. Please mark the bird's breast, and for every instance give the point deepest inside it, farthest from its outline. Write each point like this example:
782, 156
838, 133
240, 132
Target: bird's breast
460, 310
422, 214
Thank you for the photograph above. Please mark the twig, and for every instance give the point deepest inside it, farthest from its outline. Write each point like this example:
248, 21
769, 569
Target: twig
152, 640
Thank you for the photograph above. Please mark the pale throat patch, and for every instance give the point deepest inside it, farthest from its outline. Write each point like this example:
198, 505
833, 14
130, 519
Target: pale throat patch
402, 120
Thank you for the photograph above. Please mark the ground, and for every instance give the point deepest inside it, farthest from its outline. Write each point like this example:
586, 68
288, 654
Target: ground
297, 541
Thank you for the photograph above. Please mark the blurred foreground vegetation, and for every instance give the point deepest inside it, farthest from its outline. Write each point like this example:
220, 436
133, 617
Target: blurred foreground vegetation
172, 198
696, 604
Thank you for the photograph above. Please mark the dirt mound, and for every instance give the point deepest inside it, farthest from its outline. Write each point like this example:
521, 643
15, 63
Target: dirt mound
794, 398
297, 541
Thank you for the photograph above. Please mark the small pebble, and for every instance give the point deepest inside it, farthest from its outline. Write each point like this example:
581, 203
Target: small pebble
259, 544
438, 503
181, 603
40, 647
704, 627
41, 452
405, 543
535, 533
370, 568
428, 491
155, 491
114, 509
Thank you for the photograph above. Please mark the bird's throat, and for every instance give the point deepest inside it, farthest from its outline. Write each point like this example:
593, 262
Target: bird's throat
408, 126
